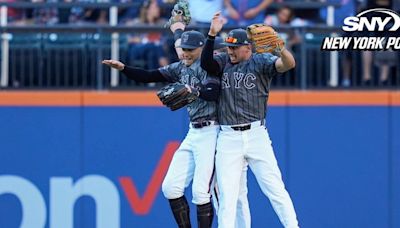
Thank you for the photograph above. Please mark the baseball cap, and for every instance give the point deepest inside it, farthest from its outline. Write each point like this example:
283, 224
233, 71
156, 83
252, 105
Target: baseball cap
237, 37
192, 39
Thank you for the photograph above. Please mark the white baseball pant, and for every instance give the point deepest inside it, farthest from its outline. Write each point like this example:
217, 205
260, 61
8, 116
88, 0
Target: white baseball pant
243, 216
234, 148
194, 160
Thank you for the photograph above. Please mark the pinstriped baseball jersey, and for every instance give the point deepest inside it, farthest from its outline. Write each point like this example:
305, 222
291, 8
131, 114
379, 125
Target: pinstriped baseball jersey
193, 75
245, 88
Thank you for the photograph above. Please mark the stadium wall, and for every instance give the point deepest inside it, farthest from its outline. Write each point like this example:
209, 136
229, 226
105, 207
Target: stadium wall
77, 159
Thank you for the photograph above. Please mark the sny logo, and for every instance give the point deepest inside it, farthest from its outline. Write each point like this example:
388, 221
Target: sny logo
362, 23
372, 20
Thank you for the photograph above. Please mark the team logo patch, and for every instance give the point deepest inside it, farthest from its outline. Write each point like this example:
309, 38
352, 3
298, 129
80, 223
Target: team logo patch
185, 38
383, 21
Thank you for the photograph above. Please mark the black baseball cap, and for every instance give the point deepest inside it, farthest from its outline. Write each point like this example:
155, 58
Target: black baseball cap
192, 40
236, 38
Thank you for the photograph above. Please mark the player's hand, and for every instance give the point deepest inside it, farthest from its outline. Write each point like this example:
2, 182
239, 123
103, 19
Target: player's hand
192, 90
114, 64
216, 24
177, 25
251, 13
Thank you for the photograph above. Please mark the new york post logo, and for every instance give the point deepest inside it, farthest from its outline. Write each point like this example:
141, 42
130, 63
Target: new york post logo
380, 23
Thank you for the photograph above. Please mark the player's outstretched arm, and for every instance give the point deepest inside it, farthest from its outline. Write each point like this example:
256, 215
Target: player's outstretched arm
136, 74
285, 62
114, 64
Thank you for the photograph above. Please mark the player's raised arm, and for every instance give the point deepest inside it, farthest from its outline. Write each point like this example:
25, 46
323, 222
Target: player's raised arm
266, 40
216, 24
208, 63
177, 29
136, 74
285, 62
180, 18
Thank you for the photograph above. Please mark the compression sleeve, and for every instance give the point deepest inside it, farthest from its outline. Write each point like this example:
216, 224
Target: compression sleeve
140, 75
208, 63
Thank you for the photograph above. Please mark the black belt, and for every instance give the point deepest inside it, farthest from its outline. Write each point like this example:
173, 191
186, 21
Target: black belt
242, 128
245, 127
201, 124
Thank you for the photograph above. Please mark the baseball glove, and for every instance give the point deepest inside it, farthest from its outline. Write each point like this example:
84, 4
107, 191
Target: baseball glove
177, 95
180, 13
265, 39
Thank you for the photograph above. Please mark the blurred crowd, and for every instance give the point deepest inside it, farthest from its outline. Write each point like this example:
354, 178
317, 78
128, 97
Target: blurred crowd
237, 12
154, 49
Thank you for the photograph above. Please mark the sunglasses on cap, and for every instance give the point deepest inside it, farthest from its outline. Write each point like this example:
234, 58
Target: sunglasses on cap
231, 40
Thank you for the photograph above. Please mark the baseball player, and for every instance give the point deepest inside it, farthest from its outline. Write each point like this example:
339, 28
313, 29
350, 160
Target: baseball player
194, 160
245, 82
243, 217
